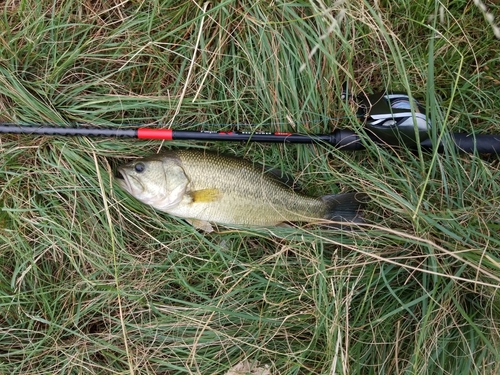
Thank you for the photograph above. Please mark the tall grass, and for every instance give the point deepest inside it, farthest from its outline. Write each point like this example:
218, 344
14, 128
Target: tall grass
94, 282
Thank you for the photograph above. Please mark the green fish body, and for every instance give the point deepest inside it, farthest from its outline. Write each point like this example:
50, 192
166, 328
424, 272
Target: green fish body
205, 187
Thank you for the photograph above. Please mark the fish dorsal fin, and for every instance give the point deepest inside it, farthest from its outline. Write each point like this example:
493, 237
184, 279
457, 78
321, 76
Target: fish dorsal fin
205, 195
284, 178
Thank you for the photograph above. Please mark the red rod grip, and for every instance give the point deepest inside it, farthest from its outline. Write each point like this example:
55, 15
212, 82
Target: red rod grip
146, 133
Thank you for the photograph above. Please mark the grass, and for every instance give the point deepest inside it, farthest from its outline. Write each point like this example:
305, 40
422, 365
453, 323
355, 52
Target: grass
94, 282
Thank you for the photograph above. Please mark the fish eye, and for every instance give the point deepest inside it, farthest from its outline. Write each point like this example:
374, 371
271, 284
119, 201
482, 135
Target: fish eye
139, 167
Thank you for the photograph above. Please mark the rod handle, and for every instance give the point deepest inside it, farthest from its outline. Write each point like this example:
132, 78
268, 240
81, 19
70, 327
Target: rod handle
481, 143
469, 143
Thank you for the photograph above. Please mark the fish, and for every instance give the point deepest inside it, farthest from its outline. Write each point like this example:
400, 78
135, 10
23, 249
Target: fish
206, 188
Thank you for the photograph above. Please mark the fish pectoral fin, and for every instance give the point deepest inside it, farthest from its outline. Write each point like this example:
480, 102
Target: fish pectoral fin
205, 195
201, 224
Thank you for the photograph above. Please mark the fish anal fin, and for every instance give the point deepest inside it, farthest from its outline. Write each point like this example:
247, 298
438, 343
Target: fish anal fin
205, 226
284, 225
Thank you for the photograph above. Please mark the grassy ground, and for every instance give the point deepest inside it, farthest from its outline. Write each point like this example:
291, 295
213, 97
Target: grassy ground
93, 282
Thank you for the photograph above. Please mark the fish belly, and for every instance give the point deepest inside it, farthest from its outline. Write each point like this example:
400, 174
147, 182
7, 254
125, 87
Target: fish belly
230, 210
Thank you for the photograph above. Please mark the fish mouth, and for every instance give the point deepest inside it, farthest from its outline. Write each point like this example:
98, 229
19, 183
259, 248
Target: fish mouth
119, 175
122, 180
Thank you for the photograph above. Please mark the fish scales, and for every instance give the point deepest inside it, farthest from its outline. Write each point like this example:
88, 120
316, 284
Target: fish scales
249, 196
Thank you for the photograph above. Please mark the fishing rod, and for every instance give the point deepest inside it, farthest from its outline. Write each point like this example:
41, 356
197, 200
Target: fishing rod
389, 119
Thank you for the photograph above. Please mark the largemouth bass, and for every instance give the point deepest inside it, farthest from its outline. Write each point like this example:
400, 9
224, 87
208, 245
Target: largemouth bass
205, 188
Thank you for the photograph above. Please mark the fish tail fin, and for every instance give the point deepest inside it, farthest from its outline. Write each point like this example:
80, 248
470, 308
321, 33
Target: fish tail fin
344, 208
